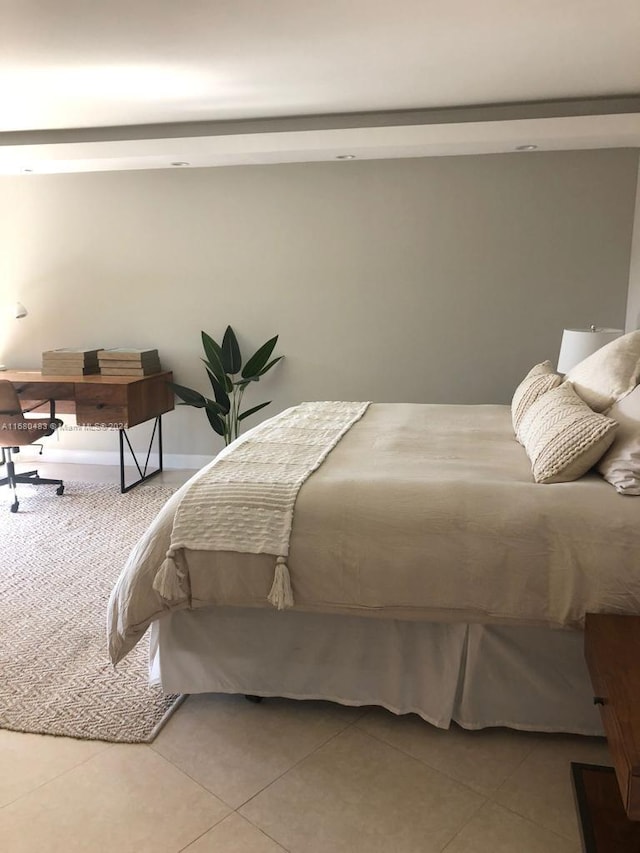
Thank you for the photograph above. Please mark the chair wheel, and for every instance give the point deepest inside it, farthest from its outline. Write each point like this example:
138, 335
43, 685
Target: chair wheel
14, 506
60, 490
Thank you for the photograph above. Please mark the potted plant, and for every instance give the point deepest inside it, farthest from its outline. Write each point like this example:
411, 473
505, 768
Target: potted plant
229, 379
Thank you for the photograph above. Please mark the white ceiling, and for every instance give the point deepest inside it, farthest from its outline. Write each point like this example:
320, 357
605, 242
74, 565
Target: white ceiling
74, 64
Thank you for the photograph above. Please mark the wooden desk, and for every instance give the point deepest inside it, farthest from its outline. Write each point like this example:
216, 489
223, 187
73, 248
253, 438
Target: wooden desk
105, 402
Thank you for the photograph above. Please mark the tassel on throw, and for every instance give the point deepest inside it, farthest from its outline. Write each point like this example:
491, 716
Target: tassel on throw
167, 582
281, 595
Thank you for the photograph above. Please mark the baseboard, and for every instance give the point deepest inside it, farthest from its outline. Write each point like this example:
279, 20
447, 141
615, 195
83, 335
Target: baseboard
182, 461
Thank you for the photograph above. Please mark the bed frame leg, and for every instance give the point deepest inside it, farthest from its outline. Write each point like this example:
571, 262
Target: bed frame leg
255, 699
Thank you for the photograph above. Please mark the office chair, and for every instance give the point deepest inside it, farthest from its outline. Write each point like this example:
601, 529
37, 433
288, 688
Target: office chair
16, 431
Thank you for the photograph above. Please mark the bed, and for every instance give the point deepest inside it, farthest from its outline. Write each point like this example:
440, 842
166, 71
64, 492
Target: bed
430, 574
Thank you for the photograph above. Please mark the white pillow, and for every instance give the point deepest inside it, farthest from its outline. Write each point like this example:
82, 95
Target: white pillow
563, 437
609, 373
538, 381
620, 465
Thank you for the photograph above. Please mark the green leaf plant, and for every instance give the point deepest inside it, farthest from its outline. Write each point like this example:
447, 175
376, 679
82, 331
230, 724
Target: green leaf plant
229, 380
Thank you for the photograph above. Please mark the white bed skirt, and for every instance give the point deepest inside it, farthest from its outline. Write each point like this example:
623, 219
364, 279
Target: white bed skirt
476, 675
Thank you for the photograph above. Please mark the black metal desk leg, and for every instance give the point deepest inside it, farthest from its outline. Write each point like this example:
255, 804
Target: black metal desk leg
143, 472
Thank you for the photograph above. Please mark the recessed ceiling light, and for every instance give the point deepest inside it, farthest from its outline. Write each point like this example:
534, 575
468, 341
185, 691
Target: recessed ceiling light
345, 157
180, 163
526, 147
27, 170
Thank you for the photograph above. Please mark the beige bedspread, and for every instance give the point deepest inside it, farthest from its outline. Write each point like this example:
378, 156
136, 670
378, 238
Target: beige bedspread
421, 512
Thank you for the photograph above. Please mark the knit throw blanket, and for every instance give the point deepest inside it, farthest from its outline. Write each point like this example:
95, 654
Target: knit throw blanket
245, 501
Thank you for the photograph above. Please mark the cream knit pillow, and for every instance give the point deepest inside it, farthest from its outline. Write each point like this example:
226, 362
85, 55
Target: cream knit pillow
563, 437
538, 381
609, 374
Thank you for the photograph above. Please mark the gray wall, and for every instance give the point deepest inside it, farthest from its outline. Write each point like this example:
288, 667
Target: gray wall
633, 301
429, 280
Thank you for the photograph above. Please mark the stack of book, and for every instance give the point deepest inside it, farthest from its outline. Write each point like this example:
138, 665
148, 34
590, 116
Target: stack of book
73, 361
125, 361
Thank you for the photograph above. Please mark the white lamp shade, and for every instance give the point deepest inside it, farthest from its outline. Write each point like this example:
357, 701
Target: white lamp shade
578, 344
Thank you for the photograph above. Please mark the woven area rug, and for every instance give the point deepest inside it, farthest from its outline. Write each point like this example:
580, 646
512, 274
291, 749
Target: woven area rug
59, 558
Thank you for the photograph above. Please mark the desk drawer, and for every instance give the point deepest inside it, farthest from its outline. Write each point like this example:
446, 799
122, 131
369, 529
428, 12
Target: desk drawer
101, 395
102, 405
45, 390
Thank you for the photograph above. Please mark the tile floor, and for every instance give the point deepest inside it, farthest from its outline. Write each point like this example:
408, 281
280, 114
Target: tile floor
227, 776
